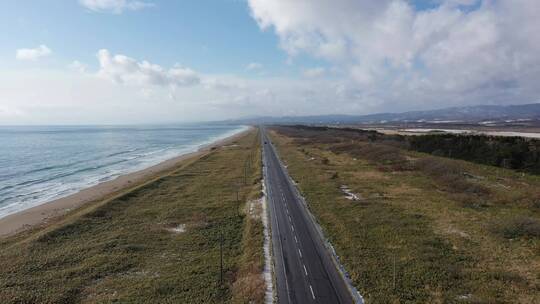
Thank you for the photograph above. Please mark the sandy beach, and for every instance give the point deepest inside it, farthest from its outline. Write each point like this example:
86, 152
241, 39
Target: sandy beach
50, 211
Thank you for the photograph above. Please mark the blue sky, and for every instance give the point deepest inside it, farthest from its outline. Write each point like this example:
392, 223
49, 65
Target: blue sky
152, 61
169, 32
214, 36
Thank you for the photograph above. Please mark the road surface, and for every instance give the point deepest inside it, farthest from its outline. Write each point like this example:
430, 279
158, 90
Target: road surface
304, 269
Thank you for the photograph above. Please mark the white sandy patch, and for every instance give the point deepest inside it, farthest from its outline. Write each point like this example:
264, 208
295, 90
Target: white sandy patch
452, 131
472, 132
348, 194
255, 208
181, 228
519, 134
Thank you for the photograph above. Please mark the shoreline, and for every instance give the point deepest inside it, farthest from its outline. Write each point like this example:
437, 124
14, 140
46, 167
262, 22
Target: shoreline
49, 211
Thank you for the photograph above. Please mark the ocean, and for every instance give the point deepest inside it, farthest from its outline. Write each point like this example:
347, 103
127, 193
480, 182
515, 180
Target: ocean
40, 164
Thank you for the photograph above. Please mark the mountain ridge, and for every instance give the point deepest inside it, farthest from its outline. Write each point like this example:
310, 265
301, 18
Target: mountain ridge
466, 114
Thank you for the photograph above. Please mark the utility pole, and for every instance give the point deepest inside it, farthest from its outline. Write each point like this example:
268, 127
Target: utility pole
245, 173
237, 204
221, 258
394, 283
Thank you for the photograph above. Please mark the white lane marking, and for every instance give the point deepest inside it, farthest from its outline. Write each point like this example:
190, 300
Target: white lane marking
305, 270
292, 227
290, 220
300, 252
295, 239
312, 293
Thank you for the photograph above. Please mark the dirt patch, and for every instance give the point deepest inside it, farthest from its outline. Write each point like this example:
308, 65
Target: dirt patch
455, 231
402, 189
364, 174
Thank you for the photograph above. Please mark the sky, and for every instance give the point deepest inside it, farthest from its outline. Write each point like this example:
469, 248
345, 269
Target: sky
151, 61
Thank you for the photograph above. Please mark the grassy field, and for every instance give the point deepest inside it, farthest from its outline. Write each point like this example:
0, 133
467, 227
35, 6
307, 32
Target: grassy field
159, 243
424, 229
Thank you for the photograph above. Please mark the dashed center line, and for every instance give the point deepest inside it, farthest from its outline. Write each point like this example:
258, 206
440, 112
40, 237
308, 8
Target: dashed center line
312, 293
279, 199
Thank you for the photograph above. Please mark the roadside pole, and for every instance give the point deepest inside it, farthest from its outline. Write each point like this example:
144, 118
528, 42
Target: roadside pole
221, 258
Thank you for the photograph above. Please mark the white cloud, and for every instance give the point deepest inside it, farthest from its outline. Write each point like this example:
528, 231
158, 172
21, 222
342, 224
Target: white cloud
78, 66
125, 70
254, 66
10, 112
114, 6
461, 51
33, 54
314, 72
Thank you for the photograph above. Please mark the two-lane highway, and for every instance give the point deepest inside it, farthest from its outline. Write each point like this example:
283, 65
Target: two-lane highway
304, 269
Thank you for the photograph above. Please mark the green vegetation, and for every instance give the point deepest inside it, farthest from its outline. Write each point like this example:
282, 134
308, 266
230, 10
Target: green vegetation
516, 153
508, 152
159, 243
425, 229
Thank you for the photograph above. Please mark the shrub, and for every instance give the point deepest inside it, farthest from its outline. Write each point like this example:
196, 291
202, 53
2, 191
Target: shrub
470, 201
381, 154
450, 174
521, 226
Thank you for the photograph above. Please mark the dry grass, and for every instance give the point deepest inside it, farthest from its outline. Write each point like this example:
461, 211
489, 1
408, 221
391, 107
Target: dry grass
384, 154
249, 286
519, 226
451, 175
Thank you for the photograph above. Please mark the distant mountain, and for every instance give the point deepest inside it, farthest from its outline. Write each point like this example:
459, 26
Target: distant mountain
470, 114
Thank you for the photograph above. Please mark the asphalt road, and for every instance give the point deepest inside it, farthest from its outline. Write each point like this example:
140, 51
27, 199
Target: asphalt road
304, 269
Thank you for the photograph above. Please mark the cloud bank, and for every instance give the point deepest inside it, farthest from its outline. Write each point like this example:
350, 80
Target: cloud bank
314, 72
391, 52
126, 70
114, 6
254, 66
33, 54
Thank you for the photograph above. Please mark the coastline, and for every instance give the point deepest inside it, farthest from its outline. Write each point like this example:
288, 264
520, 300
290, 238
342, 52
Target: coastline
47, 212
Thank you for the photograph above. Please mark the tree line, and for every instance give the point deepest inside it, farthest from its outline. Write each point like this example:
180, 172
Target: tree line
509, 152
516, 153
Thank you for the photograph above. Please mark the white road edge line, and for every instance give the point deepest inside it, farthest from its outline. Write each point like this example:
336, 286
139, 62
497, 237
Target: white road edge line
300, 252
305, 270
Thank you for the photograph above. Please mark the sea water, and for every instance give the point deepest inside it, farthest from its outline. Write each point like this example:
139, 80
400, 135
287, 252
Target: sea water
39, 164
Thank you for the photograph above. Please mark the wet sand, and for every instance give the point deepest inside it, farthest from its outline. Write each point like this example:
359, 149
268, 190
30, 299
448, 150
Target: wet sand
47, 212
